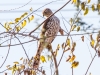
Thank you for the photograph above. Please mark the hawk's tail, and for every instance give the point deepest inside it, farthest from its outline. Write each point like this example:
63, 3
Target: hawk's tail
37, 57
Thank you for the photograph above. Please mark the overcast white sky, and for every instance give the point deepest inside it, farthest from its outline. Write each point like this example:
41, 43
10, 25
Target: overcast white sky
82, 51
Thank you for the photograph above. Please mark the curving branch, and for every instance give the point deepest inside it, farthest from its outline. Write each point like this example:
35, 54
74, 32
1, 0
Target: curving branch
7, 53
23, 48
17, 7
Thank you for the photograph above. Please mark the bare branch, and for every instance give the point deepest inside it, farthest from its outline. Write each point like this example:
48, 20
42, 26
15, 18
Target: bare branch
90, 64
17, 44
23, 48
7, 54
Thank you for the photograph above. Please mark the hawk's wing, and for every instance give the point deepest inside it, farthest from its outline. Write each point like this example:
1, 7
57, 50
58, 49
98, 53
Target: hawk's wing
52, 27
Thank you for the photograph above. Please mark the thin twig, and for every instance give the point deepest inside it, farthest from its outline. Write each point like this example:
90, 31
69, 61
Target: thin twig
51, 67
55, 62
7, 54
23, 48
3, 71
5, 41
90, 64
18, 43
60, 59
72, 71
2, 25
89, 50
63, 22
66, 27
17, 7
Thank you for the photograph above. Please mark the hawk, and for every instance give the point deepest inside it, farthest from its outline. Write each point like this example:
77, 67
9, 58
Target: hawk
50, 28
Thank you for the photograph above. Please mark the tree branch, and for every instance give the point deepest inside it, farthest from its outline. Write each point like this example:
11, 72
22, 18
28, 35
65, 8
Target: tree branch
90, 64
7, 53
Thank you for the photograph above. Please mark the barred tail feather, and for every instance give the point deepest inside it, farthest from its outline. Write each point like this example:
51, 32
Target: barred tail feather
37, 57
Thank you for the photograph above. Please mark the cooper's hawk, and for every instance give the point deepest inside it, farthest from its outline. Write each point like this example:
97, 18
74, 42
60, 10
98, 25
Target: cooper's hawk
49, 29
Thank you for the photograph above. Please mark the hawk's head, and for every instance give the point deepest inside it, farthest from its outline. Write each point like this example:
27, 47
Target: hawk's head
47, 12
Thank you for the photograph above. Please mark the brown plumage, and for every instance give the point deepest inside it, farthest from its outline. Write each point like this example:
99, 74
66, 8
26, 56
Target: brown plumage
50, 28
